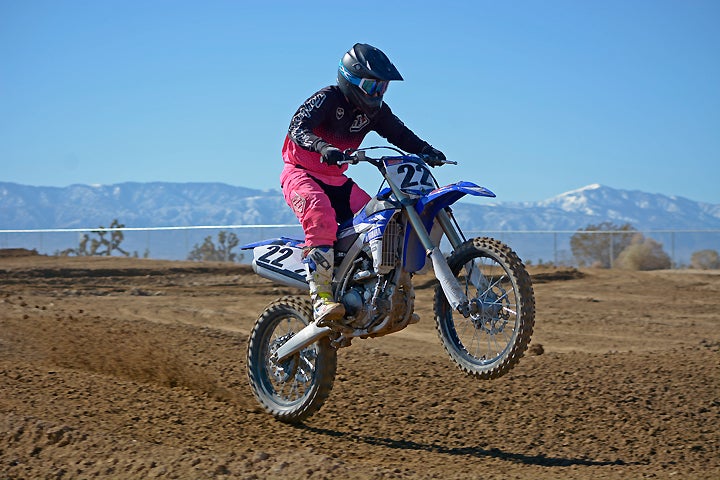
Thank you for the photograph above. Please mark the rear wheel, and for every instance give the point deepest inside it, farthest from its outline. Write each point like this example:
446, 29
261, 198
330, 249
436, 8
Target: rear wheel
491, 341
295, 388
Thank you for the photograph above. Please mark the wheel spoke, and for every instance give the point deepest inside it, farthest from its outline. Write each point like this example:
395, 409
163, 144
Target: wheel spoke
486, 344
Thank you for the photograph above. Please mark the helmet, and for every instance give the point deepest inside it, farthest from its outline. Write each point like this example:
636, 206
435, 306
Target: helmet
363, 76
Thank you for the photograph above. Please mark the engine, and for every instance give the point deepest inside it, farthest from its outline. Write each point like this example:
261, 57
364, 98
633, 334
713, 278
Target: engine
375, 287
357, 297
370, 298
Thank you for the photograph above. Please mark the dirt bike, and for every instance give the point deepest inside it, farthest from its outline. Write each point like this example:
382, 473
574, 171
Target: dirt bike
484, 304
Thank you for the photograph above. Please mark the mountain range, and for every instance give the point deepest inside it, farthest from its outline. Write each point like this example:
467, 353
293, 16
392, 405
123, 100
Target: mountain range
160, 204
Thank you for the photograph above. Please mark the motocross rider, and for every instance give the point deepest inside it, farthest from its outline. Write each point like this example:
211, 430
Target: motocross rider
332, 120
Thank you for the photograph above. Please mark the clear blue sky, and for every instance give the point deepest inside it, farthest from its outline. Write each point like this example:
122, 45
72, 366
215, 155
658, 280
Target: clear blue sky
532, 98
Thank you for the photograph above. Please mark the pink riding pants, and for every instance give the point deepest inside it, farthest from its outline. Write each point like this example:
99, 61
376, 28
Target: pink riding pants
320, 202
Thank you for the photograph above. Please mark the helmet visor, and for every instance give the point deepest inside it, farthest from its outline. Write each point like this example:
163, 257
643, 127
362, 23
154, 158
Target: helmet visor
370, 86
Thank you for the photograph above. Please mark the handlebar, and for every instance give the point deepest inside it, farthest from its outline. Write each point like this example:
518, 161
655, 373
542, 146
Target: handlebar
355, 156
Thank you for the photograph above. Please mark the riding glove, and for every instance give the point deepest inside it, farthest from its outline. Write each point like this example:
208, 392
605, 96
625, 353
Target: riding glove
433, 156
331, 154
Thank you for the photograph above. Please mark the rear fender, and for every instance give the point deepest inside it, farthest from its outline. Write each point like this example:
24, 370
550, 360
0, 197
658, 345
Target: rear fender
293, 242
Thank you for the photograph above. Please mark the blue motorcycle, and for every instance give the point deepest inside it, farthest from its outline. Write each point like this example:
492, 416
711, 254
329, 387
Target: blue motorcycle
484, 304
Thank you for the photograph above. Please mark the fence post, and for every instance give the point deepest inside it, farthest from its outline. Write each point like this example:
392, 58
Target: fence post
672, 250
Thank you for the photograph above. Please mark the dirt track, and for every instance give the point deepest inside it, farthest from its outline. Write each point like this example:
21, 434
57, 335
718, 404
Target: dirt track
119, 368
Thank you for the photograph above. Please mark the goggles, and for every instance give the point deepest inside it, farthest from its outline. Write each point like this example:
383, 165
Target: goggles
371, 86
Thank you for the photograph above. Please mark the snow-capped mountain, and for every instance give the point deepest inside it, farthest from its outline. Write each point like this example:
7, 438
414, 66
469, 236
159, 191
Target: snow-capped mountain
183, 204
595, 204
139, 205
192, 204
643, 210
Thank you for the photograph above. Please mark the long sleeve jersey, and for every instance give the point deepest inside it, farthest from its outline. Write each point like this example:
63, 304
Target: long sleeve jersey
328, 117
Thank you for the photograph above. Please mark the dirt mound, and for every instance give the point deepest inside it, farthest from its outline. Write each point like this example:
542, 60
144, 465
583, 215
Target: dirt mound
556, 274
17, 252
99, 380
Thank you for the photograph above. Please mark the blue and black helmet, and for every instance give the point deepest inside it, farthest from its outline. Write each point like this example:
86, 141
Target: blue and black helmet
363, 76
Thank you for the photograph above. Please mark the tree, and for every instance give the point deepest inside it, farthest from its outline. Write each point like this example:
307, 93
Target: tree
599, 245
705, 260
112, 244
208, 251
643, 254
94, 246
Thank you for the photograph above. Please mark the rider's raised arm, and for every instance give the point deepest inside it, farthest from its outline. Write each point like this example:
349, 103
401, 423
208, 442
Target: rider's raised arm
389, 126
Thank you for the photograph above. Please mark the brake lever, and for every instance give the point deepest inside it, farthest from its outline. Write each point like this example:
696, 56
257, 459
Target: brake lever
427, 159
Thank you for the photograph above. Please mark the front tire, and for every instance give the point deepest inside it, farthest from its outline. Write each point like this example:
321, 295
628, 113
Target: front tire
490, 342
296, 388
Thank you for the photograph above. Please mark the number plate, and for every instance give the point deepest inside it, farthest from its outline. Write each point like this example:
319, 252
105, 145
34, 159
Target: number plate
280, 263
412, 178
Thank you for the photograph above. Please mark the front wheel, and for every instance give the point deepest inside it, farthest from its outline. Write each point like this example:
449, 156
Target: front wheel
490, 342
295, 388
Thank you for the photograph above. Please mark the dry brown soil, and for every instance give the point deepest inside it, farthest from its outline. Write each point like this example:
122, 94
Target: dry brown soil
118, 368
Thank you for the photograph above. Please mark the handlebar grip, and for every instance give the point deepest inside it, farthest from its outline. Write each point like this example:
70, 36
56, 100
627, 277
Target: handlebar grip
353, 158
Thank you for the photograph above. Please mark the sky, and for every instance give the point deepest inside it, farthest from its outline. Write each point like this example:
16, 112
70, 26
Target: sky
532, 98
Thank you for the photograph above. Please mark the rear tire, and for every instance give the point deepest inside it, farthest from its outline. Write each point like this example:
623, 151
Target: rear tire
296, 388
491, 342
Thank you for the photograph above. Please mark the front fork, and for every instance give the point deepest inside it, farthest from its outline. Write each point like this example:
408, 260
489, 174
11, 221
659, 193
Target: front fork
476, 278
451, 287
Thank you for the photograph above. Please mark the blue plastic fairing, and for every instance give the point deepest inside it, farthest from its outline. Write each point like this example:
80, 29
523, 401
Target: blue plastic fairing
449, 194
291, 242
428, 207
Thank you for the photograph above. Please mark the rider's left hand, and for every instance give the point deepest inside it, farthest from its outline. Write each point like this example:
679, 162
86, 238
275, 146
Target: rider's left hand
433, 156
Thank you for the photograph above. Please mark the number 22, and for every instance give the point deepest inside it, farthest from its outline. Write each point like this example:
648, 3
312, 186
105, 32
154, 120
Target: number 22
410, 171
284, 253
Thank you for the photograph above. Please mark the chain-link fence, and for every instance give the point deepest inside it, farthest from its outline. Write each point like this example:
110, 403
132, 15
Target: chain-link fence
554, 247
162, 243
176, 243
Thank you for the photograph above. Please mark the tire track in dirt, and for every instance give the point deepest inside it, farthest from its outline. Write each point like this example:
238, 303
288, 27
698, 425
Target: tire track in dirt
90, 389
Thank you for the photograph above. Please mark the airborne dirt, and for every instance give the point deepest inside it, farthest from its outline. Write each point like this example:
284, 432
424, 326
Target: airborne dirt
120, 368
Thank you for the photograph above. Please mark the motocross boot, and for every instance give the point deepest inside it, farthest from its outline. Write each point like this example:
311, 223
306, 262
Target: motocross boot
319, 264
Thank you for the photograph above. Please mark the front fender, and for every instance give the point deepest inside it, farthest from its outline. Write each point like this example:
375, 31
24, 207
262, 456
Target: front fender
430, 204
428, 207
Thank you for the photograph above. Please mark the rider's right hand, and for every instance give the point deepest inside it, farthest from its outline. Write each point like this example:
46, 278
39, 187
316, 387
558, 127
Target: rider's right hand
331, 155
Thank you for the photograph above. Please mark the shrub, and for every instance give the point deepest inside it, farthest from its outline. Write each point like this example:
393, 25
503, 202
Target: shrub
705, 260
643, 254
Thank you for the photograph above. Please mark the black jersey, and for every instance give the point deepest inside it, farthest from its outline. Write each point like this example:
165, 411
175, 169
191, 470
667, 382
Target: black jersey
328, 117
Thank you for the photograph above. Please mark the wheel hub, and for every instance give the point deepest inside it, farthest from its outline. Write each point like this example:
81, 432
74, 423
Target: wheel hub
281, 371
489, 315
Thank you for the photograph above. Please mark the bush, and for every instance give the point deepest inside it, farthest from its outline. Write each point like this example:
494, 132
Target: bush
643, 254
705, 260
